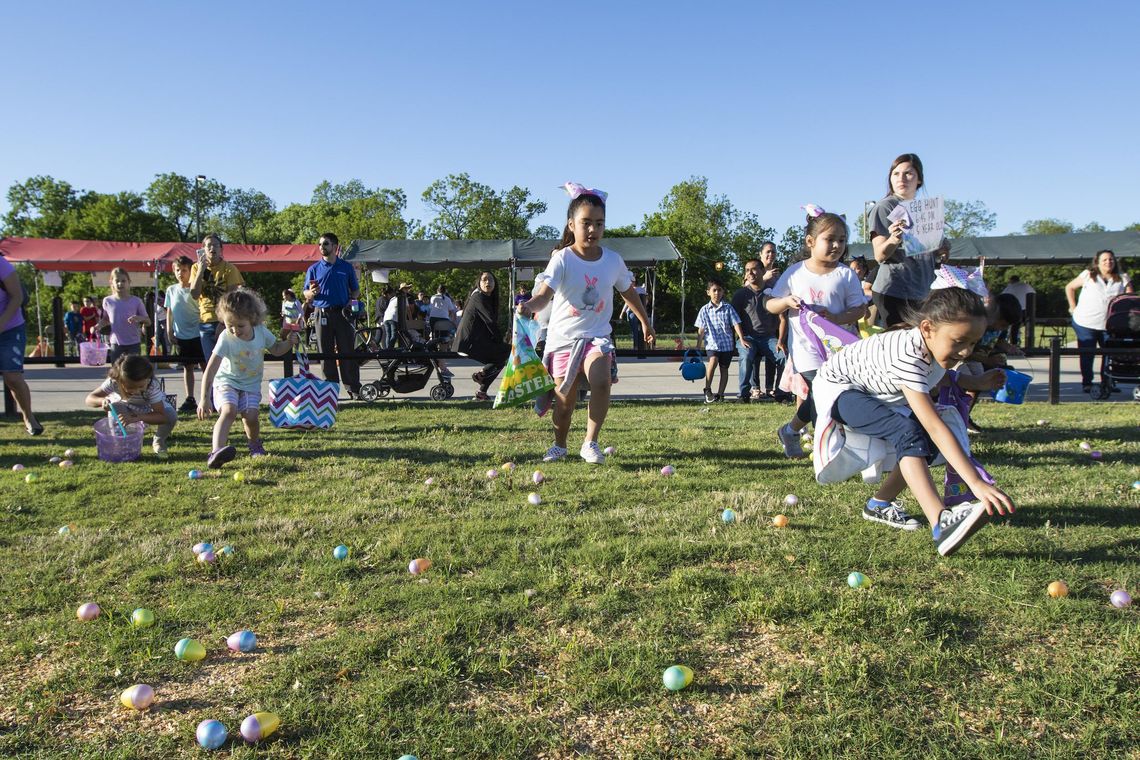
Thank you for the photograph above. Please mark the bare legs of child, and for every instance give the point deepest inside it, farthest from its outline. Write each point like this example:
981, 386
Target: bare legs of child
710, 370
597, 372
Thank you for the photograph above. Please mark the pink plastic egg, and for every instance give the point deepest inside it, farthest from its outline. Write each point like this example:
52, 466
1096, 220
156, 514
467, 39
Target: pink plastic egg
88, 611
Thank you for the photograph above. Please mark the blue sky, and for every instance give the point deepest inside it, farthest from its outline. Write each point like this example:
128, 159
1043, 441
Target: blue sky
1029, 107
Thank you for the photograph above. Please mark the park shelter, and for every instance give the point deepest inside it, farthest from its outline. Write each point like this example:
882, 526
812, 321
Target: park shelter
1011, 250
102, 256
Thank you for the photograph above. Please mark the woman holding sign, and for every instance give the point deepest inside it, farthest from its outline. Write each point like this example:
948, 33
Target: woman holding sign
905, 274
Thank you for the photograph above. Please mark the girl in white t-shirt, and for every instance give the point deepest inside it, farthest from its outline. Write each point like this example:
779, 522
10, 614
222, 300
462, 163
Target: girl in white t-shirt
1099, 284
822, 284
581, 279
880, 388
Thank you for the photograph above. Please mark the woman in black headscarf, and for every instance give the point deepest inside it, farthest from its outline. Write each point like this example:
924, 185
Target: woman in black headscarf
480, 336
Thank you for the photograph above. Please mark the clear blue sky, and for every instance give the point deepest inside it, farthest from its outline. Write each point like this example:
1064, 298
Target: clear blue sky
1030, 107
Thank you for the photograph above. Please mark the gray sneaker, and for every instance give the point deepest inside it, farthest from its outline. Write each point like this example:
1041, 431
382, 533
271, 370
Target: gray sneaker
592, 453
554, 453
956, 525
889, 514
790, 440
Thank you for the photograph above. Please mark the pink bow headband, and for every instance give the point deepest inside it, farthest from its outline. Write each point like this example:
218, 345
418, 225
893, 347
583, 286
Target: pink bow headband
813, 211
573, 189
955, 277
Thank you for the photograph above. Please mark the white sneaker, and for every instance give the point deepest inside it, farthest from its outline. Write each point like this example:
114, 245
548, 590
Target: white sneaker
554, 453
592, 453
790, 440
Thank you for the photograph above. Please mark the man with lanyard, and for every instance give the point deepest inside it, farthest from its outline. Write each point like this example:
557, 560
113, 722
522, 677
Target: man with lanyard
211, 277
332, 285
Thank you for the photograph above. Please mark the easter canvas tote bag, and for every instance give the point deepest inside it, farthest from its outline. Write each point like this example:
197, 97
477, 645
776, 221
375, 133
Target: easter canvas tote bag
303, 401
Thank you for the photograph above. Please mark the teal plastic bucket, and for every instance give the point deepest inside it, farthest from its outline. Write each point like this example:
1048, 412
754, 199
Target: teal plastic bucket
1016, 384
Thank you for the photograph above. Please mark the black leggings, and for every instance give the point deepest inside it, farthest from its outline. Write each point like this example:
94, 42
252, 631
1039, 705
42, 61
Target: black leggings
806, 412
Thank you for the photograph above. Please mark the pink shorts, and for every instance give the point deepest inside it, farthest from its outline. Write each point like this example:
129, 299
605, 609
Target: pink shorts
559, 360
243, 401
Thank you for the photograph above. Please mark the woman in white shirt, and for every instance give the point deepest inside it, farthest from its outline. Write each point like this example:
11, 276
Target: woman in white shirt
1099, 284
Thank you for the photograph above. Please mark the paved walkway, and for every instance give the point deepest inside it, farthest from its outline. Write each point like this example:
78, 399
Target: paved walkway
57, 389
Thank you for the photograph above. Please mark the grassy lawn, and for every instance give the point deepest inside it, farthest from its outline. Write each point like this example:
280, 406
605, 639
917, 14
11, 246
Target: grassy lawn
543, 631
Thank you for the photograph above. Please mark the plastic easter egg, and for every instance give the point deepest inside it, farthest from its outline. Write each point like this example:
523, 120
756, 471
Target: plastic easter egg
341, 552
492, 474
66, 463
534, 499
211, 734
508, 466
677, 677
69, 454
408, 757
1120, 599
609, 450
1042, 423
189, 650
429, 482
227, 550
1086, 446
65, 530
239, 477
56, 460
195, 475
668, 470
17, 467
31, 477
207, 558
1095, 454
780, 521
858, 580
138, 697
1058, 589
259, 726
242, 641
88, 611
728, 516
419, 565
1136, 485
142, 618
791, 500
537, 477
202, 546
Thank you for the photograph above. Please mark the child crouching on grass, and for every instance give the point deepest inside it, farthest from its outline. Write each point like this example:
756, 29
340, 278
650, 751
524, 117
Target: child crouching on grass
137, 396
880, 387
231, 383
716, 322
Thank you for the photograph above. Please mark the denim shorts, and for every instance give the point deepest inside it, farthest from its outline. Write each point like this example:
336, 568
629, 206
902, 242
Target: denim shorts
13, 344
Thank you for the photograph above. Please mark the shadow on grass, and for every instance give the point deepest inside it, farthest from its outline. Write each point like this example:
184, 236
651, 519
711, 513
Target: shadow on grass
1126, 550
1123, 516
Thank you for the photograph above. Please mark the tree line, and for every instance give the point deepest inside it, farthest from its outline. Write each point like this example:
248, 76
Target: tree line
708, 229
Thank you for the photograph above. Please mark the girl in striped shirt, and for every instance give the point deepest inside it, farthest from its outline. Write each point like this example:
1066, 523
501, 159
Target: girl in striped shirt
880, 387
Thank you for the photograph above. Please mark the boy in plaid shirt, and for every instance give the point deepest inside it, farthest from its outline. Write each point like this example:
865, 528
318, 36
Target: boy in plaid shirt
716, 322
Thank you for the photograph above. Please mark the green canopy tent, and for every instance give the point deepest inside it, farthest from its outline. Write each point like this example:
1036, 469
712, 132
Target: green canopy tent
1009, 250
638, 252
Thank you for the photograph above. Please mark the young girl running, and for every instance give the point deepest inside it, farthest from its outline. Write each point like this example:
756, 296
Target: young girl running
126, 314
821, 284
880, 387
581, 279
231, 383
137, 396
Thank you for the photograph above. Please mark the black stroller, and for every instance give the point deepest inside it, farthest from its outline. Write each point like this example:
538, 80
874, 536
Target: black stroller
404, 374
1122, 329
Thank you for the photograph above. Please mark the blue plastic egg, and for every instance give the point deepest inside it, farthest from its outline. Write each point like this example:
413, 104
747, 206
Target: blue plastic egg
408, 757
242, 641
728, 516
195, 475
677, 677
858, 580
341, 552
211, 734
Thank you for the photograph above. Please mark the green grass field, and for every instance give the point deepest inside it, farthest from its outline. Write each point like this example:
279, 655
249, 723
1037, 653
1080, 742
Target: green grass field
543, 631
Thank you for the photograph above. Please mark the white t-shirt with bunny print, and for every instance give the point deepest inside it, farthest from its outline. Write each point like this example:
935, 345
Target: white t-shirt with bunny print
583, 295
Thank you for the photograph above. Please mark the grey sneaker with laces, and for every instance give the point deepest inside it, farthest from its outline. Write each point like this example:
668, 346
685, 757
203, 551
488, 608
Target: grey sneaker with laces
790, 440
592, 453
554, 453
889, 513
956, 525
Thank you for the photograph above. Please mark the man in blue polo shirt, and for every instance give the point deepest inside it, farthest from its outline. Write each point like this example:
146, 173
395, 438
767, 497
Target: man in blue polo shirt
332, 285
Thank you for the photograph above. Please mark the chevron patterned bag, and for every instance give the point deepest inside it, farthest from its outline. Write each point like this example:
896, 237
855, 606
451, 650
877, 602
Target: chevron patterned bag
303, 401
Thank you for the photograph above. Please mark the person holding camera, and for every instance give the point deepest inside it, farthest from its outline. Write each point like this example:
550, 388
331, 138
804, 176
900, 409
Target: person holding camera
335, 291
211, 277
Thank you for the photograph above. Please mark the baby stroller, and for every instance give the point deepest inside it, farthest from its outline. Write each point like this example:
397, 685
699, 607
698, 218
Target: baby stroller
407, 374
1122, 330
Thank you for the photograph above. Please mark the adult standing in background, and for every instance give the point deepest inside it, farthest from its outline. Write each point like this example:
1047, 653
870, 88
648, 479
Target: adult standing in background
14, 343
333, 286
211, 277
182, 328
777, 330
1018, 290
635, 332
1099, 284
902, 281
755, 320
480, 336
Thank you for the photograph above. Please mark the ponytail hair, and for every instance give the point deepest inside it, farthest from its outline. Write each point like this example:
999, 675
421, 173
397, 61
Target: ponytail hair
134, 368
947, 305
582, 200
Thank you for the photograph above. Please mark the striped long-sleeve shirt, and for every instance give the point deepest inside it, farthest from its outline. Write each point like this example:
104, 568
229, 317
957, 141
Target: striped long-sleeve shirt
882, 365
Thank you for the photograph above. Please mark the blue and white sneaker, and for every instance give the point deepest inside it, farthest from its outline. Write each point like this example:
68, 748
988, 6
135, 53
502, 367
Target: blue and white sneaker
889, 513
790, 440
957, 524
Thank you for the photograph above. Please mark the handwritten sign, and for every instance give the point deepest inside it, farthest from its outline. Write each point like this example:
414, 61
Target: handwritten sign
925, 222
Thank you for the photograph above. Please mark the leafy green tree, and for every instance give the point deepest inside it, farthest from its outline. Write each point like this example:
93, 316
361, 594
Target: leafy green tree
176, 198
1092, 227
119, 216
350, 210
40, 207
791, 245
466, 209
968, 218
1047, 227
245, 210
1134, 227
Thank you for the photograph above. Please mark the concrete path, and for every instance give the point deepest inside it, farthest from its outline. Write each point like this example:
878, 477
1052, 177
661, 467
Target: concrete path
63, 389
